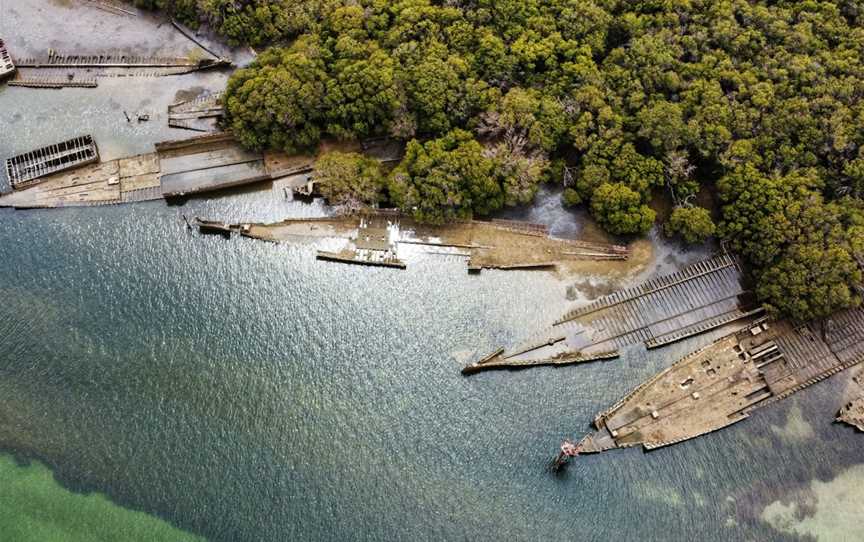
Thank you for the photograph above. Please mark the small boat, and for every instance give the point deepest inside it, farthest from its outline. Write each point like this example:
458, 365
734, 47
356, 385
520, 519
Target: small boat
568, 449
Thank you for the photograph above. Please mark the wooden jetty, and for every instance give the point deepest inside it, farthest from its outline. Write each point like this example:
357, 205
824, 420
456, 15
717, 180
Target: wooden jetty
697, 299
201, 114
7, 67
725, 382
26, 169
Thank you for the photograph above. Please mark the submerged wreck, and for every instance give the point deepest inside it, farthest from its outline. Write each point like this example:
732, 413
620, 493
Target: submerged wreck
30, 168
56, 70
697, 299
70, 173
201, 114
376, 237
853, 414
7, 67
726, 381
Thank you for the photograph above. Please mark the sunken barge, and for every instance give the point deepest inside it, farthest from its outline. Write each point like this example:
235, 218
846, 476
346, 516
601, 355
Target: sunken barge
375, 237
70, 173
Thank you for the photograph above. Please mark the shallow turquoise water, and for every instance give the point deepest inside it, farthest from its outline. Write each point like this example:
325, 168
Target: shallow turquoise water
243, 391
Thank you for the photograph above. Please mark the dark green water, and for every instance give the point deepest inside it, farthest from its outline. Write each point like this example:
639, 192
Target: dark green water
243, 391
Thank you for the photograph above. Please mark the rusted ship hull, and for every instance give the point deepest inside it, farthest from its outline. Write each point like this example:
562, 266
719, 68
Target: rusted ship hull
726, 381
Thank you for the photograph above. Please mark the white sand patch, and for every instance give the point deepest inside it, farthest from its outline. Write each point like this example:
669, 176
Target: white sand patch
837, 506
797, 429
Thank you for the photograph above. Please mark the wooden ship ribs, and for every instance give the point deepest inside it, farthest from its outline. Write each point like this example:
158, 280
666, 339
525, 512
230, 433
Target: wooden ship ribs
724, 382
117, 60
26, 169
83, 71
697, 299
7, 67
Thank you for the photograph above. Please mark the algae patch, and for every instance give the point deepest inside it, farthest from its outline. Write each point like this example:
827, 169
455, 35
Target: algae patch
34, 507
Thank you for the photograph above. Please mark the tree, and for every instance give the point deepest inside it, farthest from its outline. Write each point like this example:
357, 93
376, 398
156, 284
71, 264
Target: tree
361, 96
854, 172
662, 124
758, 218
526, 114
810, 281
620, 210
441, 92
570, 197
446, 179
275, 102
519, 171
349, 179
692, 224
639, 172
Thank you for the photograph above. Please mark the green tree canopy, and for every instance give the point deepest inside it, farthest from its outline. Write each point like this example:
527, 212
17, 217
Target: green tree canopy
810, 281
620, 210
692, 224
275, 103
361, 96
349, 179
527, 114
446, 179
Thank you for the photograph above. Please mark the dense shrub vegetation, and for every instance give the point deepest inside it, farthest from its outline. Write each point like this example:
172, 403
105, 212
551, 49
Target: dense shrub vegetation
760, 101
349, 180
